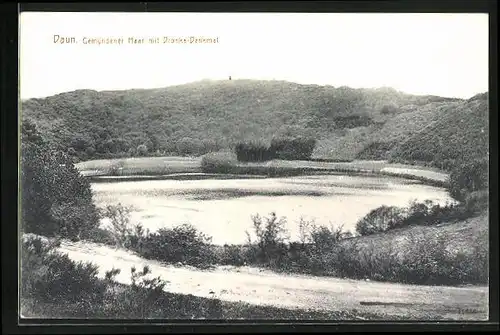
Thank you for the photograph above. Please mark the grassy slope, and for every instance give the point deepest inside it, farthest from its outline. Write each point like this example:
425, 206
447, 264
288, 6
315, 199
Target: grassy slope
460, 133
458, 237
345, 120
402, 126
455, 246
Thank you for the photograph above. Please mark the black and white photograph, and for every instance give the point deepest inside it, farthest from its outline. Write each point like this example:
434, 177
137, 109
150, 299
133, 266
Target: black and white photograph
254, 166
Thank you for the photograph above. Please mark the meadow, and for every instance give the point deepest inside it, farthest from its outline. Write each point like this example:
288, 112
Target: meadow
173, 167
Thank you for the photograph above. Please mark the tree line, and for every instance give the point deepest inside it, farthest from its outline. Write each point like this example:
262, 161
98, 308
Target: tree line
293, 148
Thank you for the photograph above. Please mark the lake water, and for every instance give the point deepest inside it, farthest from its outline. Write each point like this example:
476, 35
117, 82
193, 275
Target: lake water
223, 208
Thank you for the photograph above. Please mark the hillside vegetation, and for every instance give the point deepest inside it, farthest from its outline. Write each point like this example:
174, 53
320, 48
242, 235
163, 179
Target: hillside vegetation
207, 116
460, 133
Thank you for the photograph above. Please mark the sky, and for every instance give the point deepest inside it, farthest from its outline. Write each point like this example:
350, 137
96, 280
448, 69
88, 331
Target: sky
438, 54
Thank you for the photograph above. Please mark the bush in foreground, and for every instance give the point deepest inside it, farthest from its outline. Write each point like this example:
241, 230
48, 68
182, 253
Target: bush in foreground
55, 199
270, 244
184, 244
181, 244
55, 286
51, 277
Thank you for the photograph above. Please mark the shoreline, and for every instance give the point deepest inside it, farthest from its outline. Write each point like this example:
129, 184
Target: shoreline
422, 174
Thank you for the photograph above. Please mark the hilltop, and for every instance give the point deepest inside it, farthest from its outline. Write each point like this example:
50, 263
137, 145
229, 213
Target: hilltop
205, 116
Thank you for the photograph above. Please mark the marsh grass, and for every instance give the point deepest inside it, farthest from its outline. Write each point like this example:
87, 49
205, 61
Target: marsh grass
141, 166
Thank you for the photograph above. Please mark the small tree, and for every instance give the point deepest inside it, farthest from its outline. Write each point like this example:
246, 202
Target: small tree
183, 244
120, 225
252, 152
270, 236
304, 230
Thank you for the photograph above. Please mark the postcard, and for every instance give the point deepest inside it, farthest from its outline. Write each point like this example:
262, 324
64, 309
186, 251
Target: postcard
254, 166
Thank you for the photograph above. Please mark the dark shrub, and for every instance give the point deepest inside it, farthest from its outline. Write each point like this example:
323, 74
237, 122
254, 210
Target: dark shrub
104, 236
418, 213
282, 148
56, 199
425, 260
253, 152
74, 220
74, 290
144, 296
53, 277
430, 263
325, 238
300, 148
468, 177
234, 255
366, 262
183, 244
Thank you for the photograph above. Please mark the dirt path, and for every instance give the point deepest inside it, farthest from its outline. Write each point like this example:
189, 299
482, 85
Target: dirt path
256, 286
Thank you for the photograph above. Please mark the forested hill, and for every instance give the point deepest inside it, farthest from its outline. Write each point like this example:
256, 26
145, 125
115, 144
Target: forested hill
209, 115
460, 133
